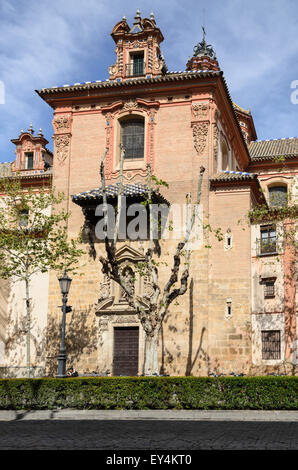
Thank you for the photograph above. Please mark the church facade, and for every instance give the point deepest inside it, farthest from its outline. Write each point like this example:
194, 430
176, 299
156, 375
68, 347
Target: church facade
239, 314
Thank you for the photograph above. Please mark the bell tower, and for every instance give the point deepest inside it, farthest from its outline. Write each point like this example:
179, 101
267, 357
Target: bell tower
137, 49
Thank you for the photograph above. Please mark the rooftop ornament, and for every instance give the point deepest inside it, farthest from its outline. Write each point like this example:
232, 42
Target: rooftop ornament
204, 49
137, 25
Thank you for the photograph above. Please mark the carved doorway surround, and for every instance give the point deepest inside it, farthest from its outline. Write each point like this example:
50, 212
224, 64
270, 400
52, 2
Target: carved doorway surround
114, 312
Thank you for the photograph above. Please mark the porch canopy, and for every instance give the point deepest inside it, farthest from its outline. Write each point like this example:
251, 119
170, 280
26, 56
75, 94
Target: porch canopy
135, 192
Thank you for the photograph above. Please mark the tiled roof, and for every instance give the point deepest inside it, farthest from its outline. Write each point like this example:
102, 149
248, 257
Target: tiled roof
238, 108
270, 149
233, 176
236, 178
6, 172
129, 190
46, 93
170, 76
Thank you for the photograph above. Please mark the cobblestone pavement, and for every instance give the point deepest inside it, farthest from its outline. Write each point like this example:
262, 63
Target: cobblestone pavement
147, 435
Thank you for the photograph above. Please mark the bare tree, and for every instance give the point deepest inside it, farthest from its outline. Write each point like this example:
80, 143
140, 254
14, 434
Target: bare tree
152, 316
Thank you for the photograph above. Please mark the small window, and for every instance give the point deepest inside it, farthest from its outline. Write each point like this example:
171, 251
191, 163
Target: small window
271, 344
278, 196
132, 138
268, 239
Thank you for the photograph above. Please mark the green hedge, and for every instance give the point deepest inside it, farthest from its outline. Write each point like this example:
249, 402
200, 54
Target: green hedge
136, 393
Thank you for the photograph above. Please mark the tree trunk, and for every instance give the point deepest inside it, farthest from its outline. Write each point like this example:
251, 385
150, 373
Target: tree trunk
151, 354
28, 327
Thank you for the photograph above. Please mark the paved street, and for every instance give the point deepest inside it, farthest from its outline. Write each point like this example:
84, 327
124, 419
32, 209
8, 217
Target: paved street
159, 430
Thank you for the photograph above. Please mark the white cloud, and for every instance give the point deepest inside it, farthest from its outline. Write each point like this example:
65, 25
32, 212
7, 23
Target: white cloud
45, 43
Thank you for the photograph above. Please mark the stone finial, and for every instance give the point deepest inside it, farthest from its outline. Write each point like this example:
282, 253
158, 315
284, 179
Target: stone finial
138, 13
31, 129
152, 16
40, 132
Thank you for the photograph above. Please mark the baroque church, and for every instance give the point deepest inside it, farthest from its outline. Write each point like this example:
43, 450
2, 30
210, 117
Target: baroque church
239, 314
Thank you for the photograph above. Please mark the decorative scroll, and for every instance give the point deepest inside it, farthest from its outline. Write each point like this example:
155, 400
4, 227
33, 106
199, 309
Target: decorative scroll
200, 133
62, 143
61, 123
129, 105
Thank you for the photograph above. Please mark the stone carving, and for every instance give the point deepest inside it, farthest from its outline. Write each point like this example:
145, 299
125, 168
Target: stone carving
61, 122
105, 288
200, 133
126, 319
103, 323
28, 147
148, 288
129, 280
112, 69
132, 104
62, 148
200, 110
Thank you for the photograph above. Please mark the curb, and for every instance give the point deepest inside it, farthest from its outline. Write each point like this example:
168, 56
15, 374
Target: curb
159, 415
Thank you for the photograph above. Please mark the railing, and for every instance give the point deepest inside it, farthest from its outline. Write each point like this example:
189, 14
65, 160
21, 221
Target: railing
135, 69
267, 247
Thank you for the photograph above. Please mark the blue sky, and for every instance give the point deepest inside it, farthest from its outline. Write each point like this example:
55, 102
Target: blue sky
45, 43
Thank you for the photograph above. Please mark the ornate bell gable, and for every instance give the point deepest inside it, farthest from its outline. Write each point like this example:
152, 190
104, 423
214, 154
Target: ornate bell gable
137, 49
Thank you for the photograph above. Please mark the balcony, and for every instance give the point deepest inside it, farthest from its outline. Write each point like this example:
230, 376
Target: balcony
135, 69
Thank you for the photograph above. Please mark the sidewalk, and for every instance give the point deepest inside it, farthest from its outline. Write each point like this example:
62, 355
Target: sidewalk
160, 415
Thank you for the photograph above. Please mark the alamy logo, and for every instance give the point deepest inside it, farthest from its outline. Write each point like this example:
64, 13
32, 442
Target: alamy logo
294, 94
166, 223
2, 93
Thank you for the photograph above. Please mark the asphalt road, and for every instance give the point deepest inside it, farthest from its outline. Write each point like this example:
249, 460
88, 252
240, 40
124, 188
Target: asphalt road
142, 432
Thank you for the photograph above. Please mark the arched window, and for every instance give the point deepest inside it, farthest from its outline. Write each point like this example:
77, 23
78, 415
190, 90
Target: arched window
278, 196
132, 136
224, 155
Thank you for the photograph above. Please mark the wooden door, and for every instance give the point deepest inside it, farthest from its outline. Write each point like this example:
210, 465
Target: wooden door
126, 351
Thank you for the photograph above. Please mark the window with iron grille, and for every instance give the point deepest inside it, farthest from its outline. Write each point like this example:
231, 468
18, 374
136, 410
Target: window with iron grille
136, 66
269, 288
268, 239
271, 344
278, 196
132, 137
